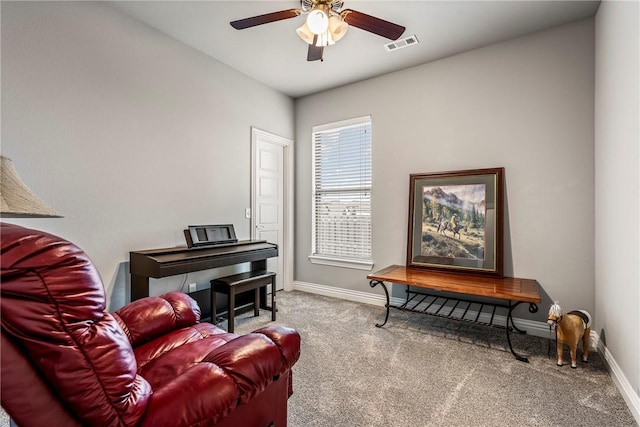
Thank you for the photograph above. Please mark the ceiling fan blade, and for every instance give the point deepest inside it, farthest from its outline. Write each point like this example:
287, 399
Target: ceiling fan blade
315, 52
372, 24
241, 24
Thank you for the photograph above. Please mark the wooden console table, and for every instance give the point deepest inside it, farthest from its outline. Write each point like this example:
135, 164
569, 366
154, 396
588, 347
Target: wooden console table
512, 291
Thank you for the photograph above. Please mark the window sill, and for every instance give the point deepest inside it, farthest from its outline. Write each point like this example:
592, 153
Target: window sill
342, 262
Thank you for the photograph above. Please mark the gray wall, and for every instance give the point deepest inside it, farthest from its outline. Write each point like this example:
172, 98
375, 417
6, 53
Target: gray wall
132, 136
525, 104
617, 179
128, 133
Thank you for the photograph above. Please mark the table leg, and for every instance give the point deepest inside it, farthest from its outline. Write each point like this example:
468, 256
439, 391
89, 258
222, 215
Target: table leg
373, 284
256, 302
214, 302
510, 325
139, 287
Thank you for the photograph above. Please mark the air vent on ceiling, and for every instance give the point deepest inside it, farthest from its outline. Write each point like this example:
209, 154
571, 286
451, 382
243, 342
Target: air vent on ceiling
399, 44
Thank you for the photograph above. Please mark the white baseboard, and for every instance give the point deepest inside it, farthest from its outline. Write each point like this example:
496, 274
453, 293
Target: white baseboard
620, 380
539, 329
346, 294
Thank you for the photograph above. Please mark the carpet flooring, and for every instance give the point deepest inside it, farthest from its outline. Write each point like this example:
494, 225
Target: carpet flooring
421, 370
425, 371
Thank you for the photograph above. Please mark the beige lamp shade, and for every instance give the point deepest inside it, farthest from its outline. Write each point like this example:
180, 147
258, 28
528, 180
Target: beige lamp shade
337, 28
317, 21
324, 39
17, 200
305, 33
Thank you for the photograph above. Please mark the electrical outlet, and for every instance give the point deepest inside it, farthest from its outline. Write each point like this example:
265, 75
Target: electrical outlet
192, 287
247, 213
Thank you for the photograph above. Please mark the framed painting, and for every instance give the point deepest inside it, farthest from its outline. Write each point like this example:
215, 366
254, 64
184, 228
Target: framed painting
456, 221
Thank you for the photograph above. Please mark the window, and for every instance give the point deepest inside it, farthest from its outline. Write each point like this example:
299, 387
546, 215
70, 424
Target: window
342, 194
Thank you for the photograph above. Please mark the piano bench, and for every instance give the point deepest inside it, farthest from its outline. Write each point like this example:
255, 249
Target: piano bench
256, 281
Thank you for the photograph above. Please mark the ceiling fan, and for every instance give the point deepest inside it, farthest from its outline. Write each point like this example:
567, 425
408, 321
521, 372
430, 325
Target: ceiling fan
326, 24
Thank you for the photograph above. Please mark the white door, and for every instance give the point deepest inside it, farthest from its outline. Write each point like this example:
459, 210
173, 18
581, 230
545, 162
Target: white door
269, 198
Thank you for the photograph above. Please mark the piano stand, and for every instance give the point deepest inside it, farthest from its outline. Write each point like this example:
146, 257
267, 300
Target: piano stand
158, 263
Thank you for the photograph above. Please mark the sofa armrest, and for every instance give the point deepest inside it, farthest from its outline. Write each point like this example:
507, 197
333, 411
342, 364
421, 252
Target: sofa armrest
148, 318
286, 339
288, 342
204, 384
256, 359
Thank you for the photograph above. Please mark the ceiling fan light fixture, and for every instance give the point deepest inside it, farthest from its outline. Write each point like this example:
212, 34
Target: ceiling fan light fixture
325, 39
317, 21
305, 33
337, 28
326, 23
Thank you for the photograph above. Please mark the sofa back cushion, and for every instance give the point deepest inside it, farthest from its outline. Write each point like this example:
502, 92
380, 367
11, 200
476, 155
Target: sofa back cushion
53, 308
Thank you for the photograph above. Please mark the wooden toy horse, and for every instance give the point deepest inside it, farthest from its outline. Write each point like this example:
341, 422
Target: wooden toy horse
569, 329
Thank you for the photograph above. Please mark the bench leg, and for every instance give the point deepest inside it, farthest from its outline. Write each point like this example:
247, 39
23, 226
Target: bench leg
263, 298
231, 317
273, 298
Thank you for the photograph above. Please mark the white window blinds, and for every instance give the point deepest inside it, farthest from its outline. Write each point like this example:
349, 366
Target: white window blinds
342, 190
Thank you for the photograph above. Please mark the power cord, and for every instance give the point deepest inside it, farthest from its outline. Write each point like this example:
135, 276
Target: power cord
184, 282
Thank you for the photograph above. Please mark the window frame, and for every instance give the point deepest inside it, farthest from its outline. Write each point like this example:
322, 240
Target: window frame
336, 260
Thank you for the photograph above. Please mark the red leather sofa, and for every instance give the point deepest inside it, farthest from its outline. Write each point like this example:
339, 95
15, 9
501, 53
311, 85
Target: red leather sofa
67, 362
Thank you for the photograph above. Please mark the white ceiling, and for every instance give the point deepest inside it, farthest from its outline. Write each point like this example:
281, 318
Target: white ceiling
274, 55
